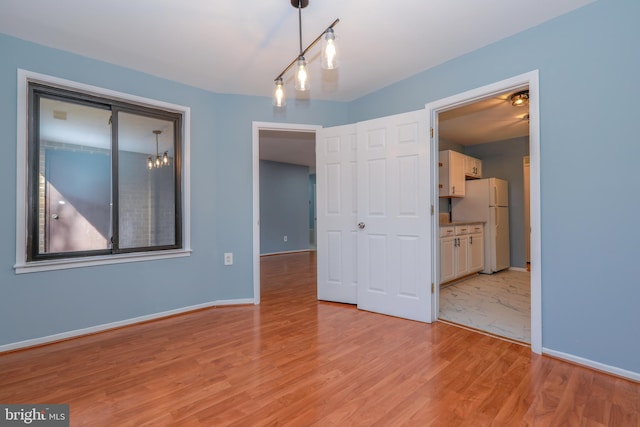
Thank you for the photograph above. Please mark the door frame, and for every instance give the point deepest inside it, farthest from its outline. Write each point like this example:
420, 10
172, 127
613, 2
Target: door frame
256, 128
530, 80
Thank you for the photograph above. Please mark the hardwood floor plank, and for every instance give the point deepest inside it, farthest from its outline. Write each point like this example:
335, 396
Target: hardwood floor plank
295, 361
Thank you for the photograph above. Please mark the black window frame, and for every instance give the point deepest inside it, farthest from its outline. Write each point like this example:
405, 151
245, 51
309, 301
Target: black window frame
36, 91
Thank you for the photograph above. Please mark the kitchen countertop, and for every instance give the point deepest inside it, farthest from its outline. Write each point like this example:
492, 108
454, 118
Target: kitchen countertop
454, 223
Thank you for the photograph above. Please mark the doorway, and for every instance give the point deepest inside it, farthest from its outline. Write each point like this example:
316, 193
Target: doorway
466, 101
529, 79
285, 152
492, 136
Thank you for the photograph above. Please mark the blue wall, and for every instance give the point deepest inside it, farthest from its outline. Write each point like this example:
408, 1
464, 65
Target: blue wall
589, 153
312, 201
284, 207
37, 305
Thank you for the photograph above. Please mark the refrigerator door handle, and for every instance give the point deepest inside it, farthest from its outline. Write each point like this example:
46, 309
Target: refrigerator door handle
495, 194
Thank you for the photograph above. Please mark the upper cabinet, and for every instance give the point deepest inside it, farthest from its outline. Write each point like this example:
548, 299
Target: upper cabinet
472, 167
454, 168
451, 173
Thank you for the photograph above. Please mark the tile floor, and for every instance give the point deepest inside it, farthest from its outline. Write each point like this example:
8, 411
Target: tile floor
498, 303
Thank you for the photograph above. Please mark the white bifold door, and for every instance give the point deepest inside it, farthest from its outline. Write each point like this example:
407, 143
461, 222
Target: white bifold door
374, 221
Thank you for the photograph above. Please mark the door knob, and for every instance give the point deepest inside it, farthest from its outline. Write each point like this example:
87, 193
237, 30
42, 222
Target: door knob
55, 216
361, 225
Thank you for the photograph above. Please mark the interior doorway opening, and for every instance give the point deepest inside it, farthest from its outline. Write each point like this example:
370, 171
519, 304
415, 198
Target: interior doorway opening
288, 153
491, 136
472, 103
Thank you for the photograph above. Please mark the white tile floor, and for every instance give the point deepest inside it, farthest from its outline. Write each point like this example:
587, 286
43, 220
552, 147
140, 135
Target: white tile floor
497, 303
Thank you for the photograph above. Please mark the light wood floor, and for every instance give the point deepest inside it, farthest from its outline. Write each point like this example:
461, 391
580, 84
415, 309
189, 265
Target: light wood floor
295, 361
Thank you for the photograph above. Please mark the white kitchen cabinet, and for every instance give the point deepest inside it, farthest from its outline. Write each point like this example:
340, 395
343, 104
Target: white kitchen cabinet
451, 173
462, 255
472, 167
476, 248
461, 251
447, 256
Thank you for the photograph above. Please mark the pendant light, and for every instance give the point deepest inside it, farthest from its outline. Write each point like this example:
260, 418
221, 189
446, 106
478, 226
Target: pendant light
329, 52
301, 77
279, 99
157, 161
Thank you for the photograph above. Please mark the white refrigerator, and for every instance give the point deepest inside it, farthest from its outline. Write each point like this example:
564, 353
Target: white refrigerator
487, 200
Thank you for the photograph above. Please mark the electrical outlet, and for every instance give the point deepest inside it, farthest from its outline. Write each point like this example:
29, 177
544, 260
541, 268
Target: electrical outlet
285, 238
228, 258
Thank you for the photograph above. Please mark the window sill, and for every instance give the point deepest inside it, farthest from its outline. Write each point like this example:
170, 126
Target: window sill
63, 264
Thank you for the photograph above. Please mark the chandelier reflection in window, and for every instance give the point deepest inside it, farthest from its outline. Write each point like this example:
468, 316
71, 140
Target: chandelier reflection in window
158, 161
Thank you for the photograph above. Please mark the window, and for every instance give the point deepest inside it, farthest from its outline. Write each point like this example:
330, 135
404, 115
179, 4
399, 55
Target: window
104, 178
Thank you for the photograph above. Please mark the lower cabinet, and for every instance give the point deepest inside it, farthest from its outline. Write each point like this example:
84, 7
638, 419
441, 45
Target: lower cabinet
476, 248
461, 251
447, 259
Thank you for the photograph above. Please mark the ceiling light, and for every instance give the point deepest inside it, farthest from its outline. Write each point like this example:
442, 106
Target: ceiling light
329, 52
520, 98
279, 99
301, 78
157, 161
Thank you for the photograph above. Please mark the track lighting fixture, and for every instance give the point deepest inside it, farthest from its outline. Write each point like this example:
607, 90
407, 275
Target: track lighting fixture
301, 78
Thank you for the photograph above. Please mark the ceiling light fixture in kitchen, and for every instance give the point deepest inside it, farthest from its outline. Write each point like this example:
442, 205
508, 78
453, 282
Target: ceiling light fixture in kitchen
520, 98
329, 57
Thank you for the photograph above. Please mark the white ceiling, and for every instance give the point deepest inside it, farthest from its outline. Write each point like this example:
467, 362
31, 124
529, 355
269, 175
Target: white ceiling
488, 120
298, 148
240, 47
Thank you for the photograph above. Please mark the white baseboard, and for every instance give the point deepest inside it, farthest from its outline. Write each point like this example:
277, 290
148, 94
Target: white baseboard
289, 252
104, 327
518, 269
634, 376
243, 301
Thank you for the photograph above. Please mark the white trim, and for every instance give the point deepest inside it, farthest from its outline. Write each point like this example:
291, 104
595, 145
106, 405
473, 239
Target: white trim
529, 80
239, 301
107, 326
256, 128
634, 376
520, 269
21, 265
62, 264
288, 252
435, 221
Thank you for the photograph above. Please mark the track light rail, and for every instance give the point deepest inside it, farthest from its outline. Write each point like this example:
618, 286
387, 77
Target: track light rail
302, 53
